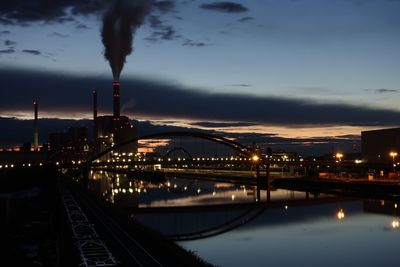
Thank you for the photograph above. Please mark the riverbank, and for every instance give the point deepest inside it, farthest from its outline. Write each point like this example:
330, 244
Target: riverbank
36, 228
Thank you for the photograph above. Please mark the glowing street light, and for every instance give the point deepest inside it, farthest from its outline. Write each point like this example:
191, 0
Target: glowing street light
393, 155
255, 158
339, 156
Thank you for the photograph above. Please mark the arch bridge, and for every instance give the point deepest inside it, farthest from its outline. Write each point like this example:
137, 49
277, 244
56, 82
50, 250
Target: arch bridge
236, 146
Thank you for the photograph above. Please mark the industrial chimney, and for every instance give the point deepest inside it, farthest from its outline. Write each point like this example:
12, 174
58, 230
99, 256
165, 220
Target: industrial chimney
35, 127
116, 100
94, 92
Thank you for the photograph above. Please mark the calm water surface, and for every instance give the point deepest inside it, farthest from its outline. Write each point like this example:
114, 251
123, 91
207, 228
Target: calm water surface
289, 231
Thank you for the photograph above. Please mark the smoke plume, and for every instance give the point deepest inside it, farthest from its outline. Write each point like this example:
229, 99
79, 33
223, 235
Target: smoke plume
119, 24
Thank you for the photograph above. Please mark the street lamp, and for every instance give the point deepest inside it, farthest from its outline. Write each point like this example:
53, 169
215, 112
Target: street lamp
393, 155
255, 158
339, 156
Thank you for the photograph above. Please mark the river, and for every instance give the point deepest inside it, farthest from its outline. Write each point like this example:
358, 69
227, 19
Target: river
225, 225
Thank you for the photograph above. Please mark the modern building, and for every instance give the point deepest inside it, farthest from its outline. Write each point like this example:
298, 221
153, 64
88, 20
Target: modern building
381, 146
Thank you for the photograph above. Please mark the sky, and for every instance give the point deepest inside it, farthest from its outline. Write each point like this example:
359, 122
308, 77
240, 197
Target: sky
289, 68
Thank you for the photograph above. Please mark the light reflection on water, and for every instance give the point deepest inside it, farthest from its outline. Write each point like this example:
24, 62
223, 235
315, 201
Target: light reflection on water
177, 192
294, 232
309, 235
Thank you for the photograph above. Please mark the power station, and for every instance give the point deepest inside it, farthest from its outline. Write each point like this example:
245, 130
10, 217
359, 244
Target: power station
113, 129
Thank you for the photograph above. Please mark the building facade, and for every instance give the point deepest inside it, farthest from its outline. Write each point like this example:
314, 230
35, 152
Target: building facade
381, 146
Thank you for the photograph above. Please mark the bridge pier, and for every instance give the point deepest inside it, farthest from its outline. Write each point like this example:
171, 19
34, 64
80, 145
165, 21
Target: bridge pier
258, 182
85, 176
267, 174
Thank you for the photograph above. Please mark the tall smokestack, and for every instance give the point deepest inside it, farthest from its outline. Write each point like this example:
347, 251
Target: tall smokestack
116, 100
94, 92
35, 127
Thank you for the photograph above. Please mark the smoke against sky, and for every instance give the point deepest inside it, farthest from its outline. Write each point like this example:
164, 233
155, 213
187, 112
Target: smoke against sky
119, 26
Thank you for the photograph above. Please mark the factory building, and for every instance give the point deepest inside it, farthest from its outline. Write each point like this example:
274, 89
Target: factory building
381, 146
71, 145
110, 130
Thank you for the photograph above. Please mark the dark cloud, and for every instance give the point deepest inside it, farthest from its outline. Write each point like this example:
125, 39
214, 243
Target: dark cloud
161, 31
382, 90
23, 12
244, 19
32, 52
6, 21
165, 33
4, 32
155, 21
164, 6
57, 34
9, 43
64, 92
240, 85
7, 51
192, 43
81, 26
65, 19
222, 124
227, 7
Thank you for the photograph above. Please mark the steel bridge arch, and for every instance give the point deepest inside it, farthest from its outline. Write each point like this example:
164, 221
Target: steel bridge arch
242, 149
177, 149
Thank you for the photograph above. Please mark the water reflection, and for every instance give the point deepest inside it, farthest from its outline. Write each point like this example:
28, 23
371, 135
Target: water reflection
293, 229
309, 234
172, 192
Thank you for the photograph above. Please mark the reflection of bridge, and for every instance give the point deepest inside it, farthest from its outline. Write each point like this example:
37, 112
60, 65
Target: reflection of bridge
208, 217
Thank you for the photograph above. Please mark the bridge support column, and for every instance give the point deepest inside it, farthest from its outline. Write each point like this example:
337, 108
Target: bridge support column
258, 182
267, 173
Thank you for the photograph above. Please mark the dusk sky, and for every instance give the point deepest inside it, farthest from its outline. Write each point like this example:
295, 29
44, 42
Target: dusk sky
290, 68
